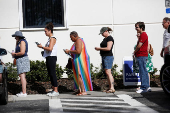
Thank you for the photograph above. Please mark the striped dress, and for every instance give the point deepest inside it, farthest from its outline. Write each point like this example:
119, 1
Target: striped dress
81, 65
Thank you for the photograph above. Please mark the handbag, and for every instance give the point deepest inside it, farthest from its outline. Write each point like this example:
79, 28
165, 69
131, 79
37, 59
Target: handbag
42, 53
151, 50
69, 64
14, 61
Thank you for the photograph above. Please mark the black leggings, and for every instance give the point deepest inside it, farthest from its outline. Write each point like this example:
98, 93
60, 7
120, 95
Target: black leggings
51, 68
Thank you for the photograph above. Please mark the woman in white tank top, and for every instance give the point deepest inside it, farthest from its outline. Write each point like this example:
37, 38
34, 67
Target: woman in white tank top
50, 53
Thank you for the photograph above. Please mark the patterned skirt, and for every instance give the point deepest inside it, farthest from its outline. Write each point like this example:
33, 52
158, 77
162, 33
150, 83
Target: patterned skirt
23, 65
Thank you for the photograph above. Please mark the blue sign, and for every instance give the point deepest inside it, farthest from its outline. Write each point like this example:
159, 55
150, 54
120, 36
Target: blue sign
167, 10
129, 77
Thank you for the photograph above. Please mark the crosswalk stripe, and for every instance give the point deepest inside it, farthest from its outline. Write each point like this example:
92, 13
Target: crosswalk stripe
134, 103
120, 103
55, 106
93, 101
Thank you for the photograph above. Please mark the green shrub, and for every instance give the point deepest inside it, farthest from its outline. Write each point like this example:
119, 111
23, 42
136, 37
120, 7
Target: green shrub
69, 73
38, 72
98, 73
12, 71
153, 73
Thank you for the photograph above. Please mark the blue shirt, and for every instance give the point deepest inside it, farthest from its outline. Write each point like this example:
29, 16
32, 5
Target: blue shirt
17, 49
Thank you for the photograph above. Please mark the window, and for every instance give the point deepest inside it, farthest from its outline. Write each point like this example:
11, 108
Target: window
37, 13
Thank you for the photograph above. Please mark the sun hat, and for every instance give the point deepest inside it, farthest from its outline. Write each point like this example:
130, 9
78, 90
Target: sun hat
19, 34
103, 29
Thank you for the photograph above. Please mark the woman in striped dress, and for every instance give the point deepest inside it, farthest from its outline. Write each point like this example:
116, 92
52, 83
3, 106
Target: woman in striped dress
80, 65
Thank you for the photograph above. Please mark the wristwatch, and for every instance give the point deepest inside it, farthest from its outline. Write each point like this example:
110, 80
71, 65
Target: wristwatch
42, 47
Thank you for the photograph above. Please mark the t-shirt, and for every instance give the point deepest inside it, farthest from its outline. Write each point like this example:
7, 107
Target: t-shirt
143, 50
104, 44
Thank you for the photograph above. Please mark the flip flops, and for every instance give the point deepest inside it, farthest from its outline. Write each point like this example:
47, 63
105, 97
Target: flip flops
81, 94
110, 91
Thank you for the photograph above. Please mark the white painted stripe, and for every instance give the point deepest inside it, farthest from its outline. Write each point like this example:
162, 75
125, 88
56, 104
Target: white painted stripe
94, 101
97, 105
97, 97
134, 103
101, 110
55, 106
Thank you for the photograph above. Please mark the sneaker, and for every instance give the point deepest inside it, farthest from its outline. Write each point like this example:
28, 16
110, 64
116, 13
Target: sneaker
53, 93
141, 91
149, 89
49, 93
21, 94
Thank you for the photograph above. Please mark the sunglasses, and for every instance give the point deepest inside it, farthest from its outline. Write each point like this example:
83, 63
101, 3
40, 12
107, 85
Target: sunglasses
136, 27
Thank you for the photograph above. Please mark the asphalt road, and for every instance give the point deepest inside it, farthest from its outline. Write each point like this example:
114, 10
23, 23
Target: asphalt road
125, 100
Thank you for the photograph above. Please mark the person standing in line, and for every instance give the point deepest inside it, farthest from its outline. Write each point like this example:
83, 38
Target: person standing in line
105, 49
149, 64
80, 65
1, 68
22, 60
50, 53
141, 54
166, 39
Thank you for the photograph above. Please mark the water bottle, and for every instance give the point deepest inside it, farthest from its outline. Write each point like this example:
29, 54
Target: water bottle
12, 52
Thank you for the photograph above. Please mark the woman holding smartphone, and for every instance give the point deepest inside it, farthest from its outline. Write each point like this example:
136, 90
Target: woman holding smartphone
50, 53
22, 60
105, 49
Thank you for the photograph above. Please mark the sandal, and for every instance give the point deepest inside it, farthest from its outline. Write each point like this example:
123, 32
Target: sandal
110, 91
77, 92
81, 94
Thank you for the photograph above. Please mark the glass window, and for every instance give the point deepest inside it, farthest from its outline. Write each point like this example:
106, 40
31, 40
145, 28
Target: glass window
37, 13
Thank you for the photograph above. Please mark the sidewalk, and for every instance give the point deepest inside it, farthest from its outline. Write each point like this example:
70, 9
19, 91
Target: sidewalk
13, 98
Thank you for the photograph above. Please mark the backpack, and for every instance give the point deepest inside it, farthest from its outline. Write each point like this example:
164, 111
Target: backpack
151, 50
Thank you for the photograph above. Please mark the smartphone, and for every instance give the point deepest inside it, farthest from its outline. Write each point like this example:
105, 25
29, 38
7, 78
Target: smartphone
37, 43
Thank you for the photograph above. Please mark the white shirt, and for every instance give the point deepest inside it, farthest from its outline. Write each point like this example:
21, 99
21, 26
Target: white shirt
0, 56
166, 38
54, 50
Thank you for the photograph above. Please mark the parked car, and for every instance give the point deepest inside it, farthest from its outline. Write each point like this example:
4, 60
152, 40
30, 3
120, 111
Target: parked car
165, 73
3, 85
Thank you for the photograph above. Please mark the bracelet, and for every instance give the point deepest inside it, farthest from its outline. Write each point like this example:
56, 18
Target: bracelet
42, 47
69, 52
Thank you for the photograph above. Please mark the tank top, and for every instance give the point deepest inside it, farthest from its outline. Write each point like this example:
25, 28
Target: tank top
17, 49
54, 50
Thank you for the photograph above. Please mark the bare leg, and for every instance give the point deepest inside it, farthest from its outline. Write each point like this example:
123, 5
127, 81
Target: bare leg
81, 86
0, 77
23, 82
110, 78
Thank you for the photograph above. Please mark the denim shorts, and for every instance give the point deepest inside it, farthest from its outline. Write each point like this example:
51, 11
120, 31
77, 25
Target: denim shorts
107, 62
1, 68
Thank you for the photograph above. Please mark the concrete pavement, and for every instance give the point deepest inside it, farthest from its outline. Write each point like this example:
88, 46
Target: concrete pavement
13, 98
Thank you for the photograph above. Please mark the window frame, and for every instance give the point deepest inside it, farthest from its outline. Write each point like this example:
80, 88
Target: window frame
55, 28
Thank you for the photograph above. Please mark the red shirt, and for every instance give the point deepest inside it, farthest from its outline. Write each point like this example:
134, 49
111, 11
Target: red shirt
143, 50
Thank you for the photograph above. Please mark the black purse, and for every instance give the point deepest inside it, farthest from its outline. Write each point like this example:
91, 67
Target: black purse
69, 64
42, 53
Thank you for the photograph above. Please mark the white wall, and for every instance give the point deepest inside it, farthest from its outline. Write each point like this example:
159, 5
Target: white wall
87, 17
